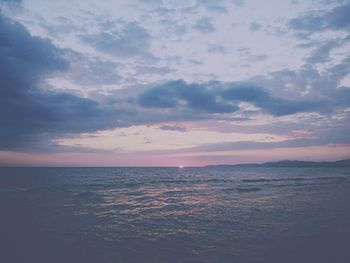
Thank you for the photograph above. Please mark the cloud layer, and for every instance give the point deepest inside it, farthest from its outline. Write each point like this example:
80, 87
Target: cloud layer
29, 113
179, 66
216, 97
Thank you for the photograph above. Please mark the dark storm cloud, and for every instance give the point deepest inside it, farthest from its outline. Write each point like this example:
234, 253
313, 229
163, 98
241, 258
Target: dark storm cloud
221, 98
32, 118
180, 94
129, 40
336, 19
29, 114
24, 57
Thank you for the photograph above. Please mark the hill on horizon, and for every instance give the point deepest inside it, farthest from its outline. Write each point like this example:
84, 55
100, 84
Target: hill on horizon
294, 163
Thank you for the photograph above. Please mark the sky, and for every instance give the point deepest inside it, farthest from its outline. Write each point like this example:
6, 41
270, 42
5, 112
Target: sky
173, 82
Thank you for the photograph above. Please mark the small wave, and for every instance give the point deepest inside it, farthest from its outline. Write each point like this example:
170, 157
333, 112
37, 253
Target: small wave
97, 185
262, 180
11, 190
188, 181
85, 194
293, 179
250, 189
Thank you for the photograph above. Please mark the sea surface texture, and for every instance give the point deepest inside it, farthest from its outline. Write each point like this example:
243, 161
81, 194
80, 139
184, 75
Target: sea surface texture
212, 214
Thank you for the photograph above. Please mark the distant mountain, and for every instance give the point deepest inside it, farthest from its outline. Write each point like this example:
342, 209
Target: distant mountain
291, 163
288, 163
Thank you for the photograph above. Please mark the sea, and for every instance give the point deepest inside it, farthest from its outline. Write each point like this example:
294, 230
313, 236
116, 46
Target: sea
207, 214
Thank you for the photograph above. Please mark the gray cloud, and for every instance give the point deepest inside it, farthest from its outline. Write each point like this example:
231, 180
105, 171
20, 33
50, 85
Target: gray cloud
213, 6
336, 19
11, 2
219, 97
309, 83
321, 54
173, 128
129, 40
252, 145
33, 116
216, 48
28, 114
180, 94
152, 2
153, 70
274, 106
333, 135
92, 71
173, 26
257, 58
253, 27
204, 25
238, 3
246, 52
322, 51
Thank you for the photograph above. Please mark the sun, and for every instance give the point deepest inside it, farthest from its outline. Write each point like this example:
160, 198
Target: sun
181, 166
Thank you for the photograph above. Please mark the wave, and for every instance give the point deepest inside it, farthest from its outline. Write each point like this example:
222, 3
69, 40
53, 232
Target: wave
250, 189
85, 194
242, 189
11, 190
294, 179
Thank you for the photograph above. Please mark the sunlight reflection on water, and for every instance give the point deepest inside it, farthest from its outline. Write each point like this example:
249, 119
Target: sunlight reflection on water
177, 215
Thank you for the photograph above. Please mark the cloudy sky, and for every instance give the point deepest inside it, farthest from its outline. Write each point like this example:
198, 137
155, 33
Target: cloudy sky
170, 82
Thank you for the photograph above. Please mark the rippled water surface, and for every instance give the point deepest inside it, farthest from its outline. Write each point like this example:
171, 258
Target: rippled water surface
214, 214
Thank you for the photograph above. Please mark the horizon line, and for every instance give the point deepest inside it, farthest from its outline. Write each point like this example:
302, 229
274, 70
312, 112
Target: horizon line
172, 166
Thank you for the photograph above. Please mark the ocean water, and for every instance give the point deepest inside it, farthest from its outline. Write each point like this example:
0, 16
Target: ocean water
213, 214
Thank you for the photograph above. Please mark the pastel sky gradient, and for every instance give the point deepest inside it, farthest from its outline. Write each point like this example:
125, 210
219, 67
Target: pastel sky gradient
173, 82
